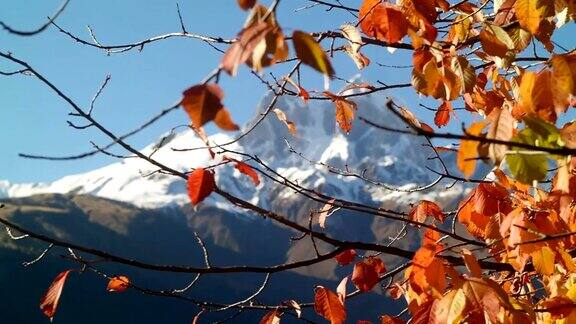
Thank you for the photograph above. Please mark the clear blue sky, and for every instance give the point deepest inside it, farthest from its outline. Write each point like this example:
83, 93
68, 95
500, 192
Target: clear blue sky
33, 119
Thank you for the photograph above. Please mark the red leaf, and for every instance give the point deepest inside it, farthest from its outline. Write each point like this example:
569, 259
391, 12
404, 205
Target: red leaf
118, 284
424, 209
249, 171
49, 301
346, 257
443, 114
366, 274
328, 305
200, 185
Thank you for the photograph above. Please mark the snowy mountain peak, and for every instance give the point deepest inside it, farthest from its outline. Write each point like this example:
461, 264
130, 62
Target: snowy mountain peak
392, 158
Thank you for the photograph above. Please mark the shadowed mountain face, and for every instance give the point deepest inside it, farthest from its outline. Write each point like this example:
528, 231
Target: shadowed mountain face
156, 236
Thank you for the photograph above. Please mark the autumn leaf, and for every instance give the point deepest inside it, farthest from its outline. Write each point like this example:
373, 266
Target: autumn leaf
246, 4
424, 209
328, 305
311, 53
203, 103
346, 257
200, 185
248, 40
302, 93
543, 260
249, 171
289, 124
118, 284
495, 41
450, 308
272, 317
442, 116
531, 13
501, 128
383, 21
562, 83
465, 74
355, 42
367, 273
345, 110
468, 151
471, 263
50, 299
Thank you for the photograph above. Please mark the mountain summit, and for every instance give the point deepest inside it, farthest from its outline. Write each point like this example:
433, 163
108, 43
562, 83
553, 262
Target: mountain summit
387, 158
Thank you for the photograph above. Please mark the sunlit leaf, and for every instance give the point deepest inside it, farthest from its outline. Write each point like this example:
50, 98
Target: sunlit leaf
200, 185
203, 103
311, 53
118, 284
328, 305
468, 151
51, 298
425, 209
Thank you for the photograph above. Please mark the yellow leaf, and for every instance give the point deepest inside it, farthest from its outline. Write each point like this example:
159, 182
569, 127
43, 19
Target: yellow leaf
562, 82
543, 260
530, 13
311, 53
468, 151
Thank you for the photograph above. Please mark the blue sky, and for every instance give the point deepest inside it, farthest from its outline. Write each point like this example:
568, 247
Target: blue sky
33, 119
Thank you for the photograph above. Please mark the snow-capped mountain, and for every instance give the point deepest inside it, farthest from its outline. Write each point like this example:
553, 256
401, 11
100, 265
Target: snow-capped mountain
390, 158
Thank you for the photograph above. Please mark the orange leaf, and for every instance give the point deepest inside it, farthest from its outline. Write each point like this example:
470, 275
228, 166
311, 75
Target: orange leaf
471, 263
249, 171
424, 209
302, 93
345, 110
531, 13
49, 302
200, 185
246, 4
468, 151
562, 82
383, 21
272, 317
118, 284
311, 53
248, 39
328, 305
559, 306
495, 41
442, 116
203, 103
543, 260
366, 273
345, 257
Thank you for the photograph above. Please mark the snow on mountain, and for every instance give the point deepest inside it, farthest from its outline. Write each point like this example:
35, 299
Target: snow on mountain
394, 159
